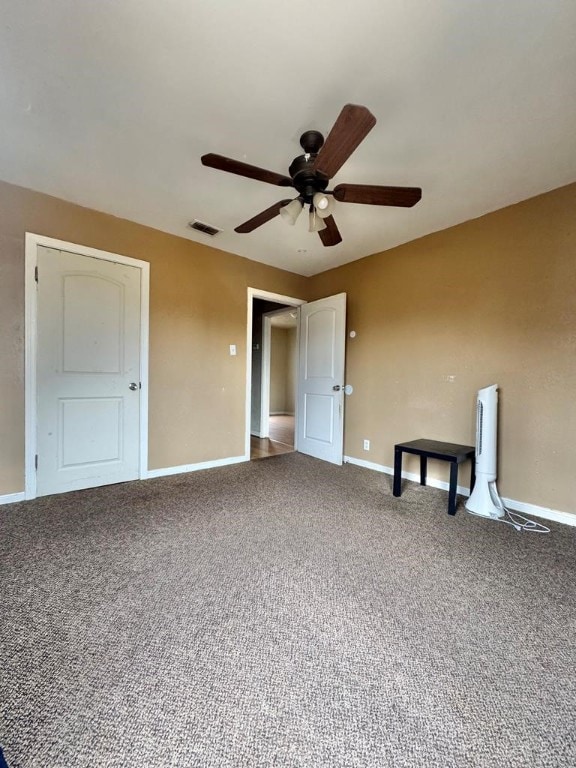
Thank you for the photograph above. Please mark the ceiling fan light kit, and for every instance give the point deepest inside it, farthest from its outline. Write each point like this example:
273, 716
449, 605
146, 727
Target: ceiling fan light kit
291, 211
323, 204
311, 172
315, 223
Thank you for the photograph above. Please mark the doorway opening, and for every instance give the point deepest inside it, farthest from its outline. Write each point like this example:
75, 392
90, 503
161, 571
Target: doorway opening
320, 388
272, 370
279, 362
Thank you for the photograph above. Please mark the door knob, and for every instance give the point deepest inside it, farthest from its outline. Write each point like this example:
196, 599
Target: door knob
347, 388
133, 386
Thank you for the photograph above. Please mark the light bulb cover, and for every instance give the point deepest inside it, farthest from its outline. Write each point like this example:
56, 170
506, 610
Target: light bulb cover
324, 204
291, 211
315, 223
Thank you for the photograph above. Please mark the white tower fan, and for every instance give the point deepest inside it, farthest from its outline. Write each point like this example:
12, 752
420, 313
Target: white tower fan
484, 500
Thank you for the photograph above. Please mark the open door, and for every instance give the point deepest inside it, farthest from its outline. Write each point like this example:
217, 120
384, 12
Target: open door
322, 341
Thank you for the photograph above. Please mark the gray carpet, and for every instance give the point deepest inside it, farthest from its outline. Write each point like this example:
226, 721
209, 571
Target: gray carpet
282, 613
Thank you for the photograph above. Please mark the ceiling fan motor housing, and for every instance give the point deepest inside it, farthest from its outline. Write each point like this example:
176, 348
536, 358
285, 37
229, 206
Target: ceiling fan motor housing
311, 142
306, 180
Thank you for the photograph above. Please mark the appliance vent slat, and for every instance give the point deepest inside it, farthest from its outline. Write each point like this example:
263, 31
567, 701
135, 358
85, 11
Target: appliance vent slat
206, 229
479, 425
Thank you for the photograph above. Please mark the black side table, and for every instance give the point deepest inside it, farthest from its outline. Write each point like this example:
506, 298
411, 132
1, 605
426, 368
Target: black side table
434, 449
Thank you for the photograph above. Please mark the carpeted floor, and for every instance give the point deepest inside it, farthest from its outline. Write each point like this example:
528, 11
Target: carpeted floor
282, 613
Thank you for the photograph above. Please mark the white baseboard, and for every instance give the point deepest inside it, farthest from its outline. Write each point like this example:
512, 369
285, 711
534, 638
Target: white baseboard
567, 518
195, 467
12, 498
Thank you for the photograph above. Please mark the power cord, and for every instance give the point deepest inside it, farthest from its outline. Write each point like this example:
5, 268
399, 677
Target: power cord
522, 523
517, 521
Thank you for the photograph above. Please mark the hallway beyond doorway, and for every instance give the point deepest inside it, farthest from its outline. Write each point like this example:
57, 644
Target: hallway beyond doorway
281, 439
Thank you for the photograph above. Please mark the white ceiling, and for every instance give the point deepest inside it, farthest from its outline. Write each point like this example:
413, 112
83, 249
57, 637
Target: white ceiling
110, 104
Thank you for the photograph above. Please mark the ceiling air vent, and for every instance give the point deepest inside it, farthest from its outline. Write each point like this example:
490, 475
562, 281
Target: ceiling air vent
206, 229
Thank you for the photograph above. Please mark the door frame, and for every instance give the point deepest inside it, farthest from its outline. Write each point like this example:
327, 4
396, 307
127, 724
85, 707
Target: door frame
31, 346
265, 378
256, 293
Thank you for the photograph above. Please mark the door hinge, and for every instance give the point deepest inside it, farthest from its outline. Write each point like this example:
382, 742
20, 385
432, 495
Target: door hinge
36, 273
36, 461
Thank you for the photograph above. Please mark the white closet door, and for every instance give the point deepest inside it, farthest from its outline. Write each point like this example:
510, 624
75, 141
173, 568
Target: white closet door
88, 372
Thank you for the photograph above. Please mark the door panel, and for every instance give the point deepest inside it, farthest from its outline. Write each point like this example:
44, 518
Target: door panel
319, 339
96, 305
321, 406
319, 423
88, 430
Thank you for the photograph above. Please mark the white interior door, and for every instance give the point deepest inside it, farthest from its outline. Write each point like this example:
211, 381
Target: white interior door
88, 372
322, 342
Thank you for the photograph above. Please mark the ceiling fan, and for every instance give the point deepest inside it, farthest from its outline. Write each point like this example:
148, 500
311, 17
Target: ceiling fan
311, 172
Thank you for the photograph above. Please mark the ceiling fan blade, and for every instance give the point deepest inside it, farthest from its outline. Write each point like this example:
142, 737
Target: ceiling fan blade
352, 126
222, 163
331, 235
261, 218
371, 194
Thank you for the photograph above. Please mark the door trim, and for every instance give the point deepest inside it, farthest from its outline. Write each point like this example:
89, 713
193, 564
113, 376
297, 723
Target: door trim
31, 346
256, 293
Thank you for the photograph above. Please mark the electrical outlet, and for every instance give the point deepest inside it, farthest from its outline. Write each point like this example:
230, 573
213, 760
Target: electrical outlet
366, 445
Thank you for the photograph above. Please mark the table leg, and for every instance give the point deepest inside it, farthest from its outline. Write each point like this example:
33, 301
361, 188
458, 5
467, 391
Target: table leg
453, 485
473, 474
397, 487
423, 469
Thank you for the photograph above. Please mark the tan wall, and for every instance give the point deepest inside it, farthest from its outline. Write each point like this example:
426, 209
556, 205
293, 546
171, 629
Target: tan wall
490, 301
291, 369
278, 369
282, 370
198, 306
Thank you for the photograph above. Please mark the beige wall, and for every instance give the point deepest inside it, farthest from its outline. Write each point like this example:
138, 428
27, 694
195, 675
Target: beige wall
291, 369
198, 306
490, 301
282, 370
278, 370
